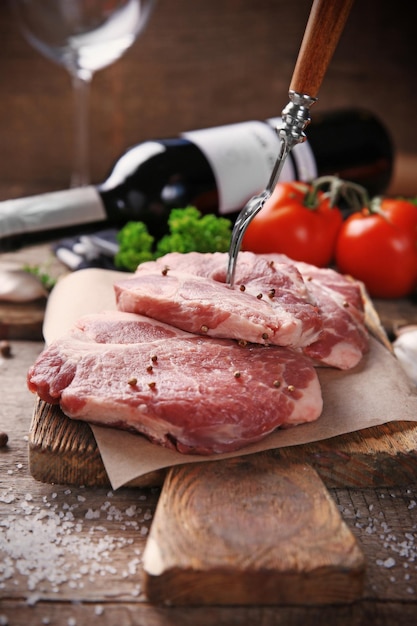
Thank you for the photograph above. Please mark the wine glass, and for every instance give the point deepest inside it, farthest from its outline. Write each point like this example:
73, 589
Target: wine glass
83, 36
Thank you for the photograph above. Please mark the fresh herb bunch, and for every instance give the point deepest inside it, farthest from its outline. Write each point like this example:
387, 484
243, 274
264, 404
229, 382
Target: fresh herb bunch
135, 246
189, 231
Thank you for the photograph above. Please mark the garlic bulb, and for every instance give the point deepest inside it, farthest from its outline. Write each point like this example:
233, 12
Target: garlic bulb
405, 349
16, 285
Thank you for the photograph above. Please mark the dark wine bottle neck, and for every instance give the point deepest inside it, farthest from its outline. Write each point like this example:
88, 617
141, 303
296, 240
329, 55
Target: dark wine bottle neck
176, 175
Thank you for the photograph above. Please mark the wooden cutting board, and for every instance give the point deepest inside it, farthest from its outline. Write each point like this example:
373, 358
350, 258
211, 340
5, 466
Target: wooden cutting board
252, 530
22, 320
64, 451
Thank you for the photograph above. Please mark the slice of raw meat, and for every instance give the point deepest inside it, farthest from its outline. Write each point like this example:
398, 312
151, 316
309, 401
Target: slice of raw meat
302, 306
196, 394
344, 338
270, 303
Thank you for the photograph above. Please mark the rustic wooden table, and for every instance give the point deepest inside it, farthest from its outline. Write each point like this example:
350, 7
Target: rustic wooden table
73, 555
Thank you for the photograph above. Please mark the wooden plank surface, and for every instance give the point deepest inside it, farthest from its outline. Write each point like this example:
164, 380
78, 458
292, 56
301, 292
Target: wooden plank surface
249, 531
64, 451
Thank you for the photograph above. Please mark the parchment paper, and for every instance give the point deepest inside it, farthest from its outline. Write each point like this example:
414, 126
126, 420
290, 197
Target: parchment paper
375, 392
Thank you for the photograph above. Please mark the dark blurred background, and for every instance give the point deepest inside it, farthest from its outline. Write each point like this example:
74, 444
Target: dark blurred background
198, 64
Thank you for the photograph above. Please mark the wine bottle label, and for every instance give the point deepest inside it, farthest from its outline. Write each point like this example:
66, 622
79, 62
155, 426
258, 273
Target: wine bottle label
242, 157
305, 163
50, 211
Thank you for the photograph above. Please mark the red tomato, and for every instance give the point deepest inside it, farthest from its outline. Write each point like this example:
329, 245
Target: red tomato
286, 225
401, 213
380, 249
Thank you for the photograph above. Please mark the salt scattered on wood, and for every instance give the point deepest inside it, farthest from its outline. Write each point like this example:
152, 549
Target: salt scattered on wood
7, 497
396, 549
54, 544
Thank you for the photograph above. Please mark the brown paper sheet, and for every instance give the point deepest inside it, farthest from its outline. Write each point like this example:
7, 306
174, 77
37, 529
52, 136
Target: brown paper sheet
375, 392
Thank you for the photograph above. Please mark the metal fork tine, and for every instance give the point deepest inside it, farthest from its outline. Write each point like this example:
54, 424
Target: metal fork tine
295, 119
253, 207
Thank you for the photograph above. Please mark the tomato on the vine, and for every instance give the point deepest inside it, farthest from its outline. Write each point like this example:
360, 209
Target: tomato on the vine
379, 247
402, 213
297, 220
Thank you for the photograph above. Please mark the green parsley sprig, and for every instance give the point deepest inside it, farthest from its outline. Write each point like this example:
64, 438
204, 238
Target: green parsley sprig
189, 231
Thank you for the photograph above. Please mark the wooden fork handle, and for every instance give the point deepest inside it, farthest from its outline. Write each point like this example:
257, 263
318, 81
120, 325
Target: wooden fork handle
324, 28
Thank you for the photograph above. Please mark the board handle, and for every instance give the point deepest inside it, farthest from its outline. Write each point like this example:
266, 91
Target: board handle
324, 28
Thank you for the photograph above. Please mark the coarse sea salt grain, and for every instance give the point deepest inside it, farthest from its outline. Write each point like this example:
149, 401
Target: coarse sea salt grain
401, 546
45, 546
7, 497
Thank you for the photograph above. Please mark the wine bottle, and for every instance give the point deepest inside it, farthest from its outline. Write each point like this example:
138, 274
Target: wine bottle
216, 169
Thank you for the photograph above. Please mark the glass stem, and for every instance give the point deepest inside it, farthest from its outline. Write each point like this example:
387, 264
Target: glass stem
81, 82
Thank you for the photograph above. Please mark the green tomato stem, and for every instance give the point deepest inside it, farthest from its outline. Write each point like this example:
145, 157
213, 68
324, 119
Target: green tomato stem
354, 195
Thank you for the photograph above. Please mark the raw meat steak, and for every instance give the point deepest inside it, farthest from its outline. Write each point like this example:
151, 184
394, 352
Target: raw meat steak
317, 310
196, 394
270, 303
